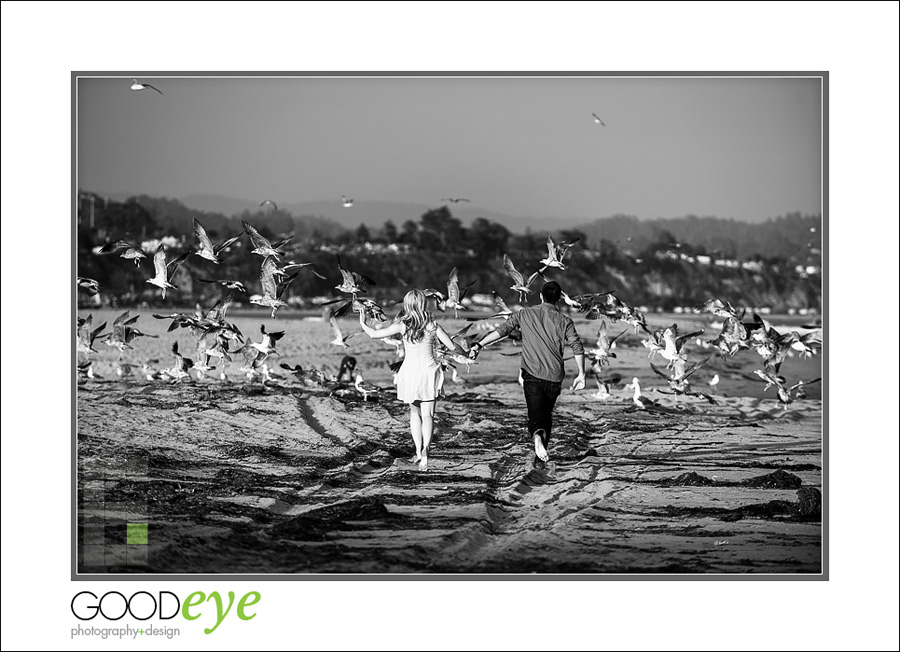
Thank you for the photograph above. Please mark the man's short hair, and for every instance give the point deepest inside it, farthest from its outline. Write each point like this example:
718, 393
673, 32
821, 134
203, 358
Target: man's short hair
551, 292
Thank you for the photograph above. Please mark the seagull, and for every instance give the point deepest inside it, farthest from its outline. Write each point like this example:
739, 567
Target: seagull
292, 266
655, 343
137, 86
266, 345
364, 387
632, 316
339, 338
356, 306
256, 364
603, 392
719, 309
556, 253
604, 345
572, 303
218, 349
713, 383
231, 285
207, 249
439, 298
89, 284
86, 370
86, 336
268, 203
150, 373
447, 358
129, 251
678, 381
163, 273
181, 320
179, 370
597, 305
272, 290
784, 392
123, 333
297, 370
734, 336
800, 392
598, 120
674, 344
346, 201
808, 343
202, 368
261, 246
348, 366
455, 200
641, 401
352, 282
454, 296
124, 369
519, 284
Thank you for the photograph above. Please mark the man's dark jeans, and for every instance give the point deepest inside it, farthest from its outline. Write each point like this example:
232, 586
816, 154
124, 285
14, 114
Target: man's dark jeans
540, 397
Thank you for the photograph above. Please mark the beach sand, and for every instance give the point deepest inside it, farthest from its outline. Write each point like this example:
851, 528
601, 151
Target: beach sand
234, 477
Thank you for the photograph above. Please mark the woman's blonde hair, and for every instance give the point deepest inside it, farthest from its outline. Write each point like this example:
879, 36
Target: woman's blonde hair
414, 316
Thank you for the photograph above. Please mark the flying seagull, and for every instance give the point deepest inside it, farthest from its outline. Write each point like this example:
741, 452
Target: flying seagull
455, 200
164, 274
454, 296
231, 285
207, 249
266, 346
272, 289
346, 201
129, 251
519, 284
261, 246
89, 284
339, 338
352, 282
268, 203
137, 86
86, 336
556, 253
598, 119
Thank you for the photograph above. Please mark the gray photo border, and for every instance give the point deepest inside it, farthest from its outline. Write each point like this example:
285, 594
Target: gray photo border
822, 576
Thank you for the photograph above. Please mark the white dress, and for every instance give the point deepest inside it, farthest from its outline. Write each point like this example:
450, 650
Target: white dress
420, 377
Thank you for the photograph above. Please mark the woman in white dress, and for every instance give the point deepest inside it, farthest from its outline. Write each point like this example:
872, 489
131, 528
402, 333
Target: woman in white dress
420, 378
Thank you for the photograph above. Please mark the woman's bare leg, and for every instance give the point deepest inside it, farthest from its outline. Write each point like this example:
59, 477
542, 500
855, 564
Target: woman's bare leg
427, 410
415, 426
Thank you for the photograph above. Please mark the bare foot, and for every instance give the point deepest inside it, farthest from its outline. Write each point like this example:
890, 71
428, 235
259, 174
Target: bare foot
423, 462
539, 451
415, 458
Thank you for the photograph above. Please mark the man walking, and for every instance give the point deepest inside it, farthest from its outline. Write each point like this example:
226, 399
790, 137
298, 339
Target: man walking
545, 332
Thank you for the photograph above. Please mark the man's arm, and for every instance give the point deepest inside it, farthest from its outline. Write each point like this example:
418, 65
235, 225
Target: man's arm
501, 331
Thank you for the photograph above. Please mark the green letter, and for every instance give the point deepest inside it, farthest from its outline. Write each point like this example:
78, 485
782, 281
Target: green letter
191, 603
243, 603
219, 615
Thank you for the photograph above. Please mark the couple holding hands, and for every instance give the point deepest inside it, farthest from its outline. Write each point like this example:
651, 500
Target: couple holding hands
545, 334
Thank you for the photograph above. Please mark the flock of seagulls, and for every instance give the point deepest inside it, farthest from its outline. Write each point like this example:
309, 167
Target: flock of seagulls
215, 336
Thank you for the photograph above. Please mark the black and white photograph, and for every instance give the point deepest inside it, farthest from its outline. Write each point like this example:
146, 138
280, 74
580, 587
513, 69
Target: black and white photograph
450, 324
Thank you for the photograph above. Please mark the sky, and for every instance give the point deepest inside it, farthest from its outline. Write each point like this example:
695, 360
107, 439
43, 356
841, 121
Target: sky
743, 148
